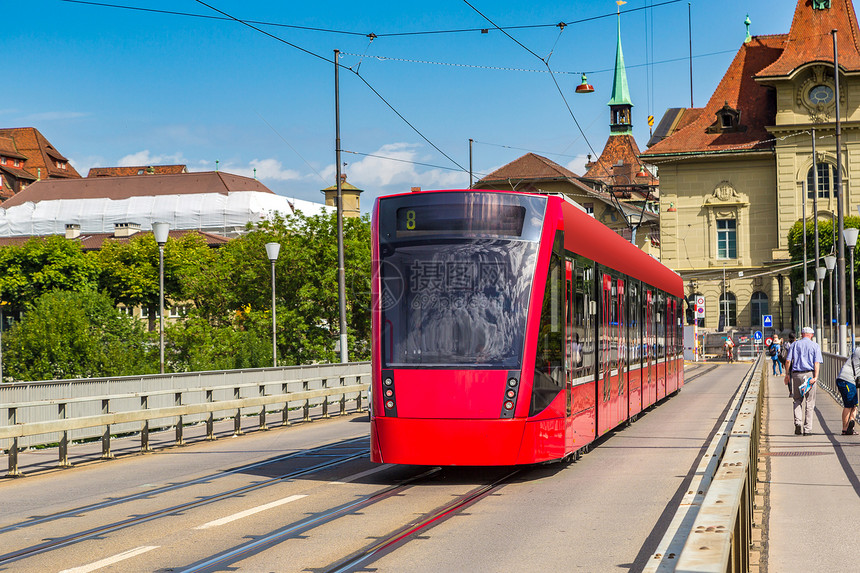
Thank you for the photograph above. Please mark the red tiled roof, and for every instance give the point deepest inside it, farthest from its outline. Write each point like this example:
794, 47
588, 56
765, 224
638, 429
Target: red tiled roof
810, 40
95, 241
530, 166
137, 170
8, 148
623, 149
739, 89
136, 186
39, 152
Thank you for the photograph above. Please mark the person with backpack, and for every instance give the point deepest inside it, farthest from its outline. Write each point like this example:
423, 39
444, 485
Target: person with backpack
773, 351
783, 353
846, 383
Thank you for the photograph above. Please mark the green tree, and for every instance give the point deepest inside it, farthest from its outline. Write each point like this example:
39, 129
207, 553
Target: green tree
42, 265
67, 334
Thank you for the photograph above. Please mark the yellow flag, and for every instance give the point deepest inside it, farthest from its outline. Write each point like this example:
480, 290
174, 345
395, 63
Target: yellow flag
620, 2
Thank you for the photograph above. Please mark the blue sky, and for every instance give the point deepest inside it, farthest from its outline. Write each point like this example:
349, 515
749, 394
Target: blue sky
112, 86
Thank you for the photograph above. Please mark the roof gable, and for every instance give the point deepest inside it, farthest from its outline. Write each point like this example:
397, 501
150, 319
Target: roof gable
529, 166
740, 91
810, 40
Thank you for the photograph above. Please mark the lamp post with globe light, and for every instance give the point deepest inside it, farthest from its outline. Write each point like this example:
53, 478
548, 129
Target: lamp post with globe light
810, 287
272, 250
850, 241
160, 231
830, 263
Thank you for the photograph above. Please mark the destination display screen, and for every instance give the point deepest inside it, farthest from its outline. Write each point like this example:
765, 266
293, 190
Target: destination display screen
491, 219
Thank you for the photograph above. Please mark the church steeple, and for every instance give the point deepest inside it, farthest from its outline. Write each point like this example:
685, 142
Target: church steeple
620, 105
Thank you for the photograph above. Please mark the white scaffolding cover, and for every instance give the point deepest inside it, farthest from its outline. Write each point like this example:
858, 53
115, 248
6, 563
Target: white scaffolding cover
219, 213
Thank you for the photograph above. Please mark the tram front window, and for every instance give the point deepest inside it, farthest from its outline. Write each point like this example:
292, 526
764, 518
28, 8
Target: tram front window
458, 297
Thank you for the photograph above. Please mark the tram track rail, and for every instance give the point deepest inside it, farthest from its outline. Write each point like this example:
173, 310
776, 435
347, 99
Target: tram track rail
78, 511
375, 550
91, 533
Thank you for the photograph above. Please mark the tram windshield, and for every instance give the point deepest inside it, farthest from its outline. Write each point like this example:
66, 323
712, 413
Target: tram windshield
456, 271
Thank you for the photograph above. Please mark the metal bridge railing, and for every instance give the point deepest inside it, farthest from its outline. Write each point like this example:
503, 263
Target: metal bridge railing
712, 529
68, 410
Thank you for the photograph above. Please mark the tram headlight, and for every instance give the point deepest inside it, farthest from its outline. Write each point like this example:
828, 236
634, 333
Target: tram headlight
389, 393
388, 381
509, 405
512, 382
389, 404
511, 394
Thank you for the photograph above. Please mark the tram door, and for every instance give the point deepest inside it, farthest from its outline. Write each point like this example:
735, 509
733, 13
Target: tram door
570, 356
661, 345
649, 383
609, 384
634, 348
621, 409
671, 343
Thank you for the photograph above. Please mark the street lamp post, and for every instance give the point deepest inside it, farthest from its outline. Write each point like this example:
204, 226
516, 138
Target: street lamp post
851, 240
830, 263
161, 230
820, 274
810, 287
272, 250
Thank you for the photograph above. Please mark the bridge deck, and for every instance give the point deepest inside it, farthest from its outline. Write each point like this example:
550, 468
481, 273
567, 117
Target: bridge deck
813, 487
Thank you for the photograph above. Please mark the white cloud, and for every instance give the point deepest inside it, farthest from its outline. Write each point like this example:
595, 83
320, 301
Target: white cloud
55, 115
146, 158
83, 164
577, 165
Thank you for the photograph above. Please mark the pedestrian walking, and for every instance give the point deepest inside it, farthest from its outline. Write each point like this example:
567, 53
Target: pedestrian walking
783, 354
801, 371
773, 352
846, 383
729, 347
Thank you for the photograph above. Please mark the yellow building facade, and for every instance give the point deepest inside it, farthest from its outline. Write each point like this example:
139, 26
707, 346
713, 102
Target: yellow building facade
736, 175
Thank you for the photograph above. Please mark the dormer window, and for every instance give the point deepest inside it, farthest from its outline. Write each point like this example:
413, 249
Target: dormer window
728, 121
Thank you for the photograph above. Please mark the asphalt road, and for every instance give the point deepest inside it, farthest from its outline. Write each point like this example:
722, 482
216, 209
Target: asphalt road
306, 498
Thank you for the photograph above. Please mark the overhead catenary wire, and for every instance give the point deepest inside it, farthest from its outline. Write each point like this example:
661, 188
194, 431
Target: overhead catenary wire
357, 74
225, 17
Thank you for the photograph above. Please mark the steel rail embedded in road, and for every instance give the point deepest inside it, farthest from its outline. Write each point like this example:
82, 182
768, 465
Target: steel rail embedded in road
243, 551
123, 524
177, 486
407, 532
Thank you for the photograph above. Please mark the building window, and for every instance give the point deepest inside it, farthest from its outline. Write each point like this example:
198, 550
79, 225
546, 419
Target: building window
589, 208
2, 161
758, 306
17, 163
728, 311
727, 239
824, 179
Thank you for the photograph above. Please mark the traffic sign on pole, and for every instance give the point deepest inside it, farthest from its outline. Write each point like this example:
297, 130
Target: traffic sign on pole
767, 320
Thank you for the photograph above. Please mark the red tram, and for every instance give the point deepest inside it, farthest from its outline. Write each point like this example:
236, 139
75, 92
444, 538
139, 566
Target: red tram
511, 328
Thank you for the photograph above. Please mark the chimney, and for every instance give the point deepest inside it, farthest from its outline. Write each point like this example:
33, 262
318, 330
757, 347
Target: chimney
122, 230
416, 189
73, 230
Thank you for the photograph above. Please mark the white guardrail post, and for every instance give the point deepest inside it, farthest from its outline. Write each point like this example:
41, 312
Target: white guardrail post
188, 397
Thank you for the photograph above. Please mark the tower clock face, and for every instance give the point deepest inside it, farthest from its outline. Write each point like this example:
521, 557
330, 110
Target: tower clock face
821, 94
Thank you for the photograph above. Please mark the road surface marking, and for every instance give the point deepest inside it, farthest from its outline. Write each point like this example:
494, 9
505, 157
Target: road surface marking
248, 512
109, 560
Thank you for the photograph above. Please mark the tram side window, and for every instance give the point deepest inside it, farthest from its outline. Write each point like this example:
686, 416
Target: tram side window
549, 362
583, 328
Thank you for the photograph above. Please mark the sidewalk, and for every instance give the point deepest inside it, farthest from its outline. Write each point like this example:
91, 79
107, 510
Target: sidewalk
814, 490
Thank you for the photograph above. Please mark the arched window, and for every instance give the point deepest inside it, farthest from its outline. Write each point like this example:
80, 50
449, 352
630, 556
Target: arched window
825, 171
728, 310
759, 308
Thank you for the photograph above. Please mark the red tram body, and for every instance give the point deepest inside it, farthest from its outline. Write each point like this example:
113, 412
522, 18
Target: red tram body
511, 328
